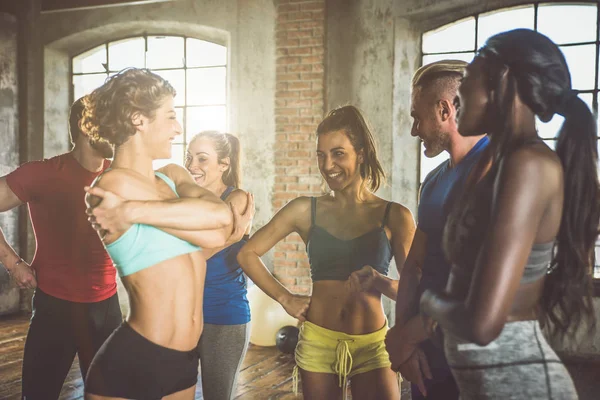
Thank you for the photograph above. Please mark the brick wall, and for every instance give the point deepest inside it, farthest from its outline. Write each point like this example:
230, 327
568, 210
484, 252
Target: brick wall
299, 100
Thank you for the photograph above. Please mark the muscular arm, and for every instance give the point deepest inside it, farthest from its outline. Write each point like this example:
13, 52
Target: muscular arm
238, 199
195, 209
8, 201
283, 223
524, 188
402, 225
407, 301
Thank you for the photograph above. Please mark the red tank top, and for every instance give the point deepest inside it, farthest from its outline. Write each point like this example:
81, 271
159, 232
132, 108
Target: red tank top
70, 261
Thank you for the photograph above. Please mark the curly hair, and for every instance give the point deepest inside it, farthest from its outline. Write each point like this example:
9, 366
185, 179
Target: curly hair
351, 120
109, 109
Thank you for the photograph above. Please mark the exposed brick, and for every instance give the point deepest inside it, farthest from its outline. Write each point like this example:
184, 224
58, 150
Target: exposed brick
300, 68
298, 137
318, 59
289, 60
286, 111
301, 85
298, 187
288, 77
284, 8
284, 162
285, 42
299, 51
312, 41
299, 103
286, 179
286, 94
315, 5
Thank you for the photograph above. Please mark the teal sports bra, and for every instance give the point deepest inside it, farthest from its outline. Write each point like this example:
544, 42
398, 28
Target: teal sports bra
143, 246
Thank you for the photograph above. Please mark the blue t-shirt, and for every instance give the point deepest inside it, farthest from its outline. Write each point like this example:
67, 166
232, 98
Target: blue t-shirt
225, 289
434, 204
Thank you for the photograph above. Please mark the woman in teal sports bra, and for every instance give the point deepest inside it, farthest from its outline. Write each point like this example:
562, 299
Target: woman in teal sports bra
351, 236
154, 225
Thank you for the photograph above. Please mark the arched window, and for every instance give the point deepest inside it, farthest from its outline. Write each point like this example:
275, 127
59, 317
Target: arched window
197, 69
574, 27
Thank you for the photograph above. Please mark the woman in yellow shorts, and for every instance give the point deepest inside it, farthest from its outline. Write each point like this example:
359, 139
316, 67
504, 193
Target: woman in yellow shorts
351, 236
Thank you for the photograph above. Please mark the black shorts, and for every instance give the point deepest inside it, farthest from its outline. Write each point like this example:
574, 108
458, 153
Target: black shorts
129, 365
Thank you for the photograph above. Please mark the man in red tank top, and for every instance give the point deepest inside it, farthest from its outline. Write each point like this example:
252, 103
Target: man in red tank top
75, 305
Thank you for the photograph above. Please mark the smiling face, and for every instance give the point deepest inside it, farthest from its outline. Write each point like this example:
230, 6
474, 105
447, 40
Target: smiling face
339, 163
474, 99
159, 132
203, 162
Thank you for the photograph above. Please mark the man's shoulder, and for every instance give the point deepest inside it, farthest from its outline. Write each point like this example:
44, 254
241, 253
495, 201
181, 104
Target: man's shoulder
436, 172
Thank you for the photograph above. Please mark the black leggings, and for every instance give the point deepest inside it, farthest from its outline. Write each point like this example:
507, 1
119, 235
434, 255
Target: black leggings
59, 329
130, 366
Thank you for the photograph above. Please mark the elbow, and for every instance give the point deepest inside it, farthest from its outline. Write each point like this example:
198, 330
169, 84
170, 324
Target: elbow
483, 333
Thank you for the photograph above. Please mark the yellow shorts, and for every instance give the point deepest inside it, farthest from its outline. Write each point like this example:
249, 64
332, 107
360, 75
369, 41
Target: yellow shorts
323, 350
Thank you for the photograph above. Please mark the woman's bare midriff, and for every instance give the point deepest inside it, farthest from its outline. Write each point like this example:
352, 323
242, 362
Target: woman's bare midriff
166, 301
334, 306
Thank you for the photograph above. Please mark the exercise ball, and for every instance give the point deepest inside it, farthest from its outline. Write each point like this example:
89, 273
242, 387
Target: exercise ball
268, 316
287, 339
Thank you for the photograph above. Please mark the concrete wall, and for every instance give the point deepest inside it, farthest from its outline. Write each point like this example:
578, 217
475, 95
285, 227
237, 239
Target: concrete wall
9, 146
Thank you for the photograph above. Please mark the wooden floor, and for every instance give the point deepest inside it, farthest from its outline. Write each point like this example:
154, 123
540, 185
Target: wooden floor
266, 372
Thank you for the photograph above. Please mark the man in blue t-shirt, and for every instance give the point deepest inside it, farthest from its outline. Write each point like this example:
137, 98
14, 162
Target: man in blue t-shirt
412, 352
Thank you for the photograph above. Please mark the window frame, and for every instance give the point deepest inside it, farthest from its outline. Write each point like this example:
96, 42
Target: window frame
184, 141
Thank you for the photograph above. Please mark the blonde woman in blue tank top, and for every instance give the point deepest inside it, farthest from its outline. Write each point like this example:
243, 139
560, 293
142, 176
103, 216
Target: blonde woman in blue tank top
213, 159
154, 225
351, 236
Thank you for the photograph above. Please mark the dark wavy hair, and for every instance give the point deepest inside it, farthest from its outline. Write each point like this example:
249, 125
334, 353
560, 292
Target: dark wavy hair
226, 145
350, 120
538, 72
109, 109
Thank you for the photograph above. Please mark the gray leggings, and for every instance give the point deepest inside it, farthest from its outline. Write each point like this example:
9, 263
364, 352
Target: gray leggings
222, 350
518, 364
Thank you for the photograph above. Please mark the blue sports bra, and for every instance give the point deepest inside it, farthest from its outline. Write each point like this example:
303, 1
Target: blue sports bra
332, 258
143, 246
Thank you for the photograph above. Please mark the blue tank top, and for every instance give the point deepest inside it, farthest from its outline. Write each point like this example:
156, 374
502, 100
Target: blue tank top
435, 202
332, 258
225, 289
143, 246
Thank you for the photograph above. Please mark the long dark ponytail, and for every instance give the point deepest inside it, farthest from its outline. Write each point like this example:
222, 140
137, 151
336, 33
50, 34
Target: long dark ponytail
537, 70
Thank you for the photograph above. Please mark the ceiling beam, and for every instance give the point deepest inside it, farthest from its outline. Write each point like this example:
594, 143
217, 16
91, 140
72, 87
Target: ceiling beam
66, 5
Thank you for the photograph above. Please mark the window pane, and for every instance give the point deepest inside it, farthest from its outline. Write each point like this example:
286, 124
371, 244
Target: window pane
503, 20
458, 36
551, 143
200, 119
126, 53
177, 157
205, 54
582, 65
90, 61
568, 23
468, 57
429, 164
165, 52
206, 86
550, 129
85, 84
177, 79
